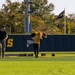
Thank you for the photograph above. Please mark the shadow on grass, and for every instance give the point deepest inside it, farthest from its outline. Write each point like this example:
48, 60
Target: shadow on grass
64, 58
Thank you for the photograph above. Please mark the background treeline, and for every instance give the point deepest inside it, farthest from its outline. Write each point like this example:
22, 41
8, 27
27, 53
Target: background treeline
12, 16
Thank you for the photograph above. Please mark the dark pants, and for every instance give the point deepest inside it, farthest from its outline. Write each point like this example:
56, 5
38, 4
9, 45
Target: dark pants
36, 49
2, 47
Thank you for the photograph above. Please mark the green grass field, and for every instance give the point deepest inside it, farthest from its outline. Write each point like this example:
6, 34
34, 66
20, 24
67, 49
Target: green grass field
57, 65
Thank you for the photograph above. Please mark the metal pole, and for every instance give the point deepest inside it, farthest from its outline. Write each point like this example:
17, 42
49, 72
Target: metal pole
64, 23
27, 20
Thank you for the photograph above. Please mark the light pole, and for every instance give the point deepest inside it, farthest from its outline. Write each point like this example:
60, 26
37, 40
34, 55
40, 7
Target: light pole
27, 19
28, 26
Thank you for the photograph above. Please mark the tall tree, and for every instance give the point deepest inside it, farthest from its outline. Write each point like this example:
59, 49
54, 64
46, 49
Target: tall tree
11, 16
43, 9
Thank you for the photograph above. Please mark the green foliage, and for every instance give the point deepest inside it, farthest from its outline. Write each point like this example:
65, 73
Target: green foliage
44, 10
12, 16
38, 24
68, 27
72, 23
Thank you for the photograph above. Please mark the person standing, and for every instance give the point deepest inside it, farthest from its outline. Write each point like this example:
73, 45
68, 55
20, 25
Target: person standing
36, 45
36, 39
3, 37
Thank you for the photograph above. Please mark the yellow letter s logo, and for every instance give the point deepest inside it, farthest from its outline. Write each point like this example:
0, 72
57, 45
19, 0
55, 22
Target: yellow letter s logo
9, 42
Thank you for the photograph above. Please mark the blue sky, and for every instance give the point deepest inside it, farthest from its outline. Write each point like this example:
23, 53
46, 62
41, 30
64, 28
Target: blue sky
69, 5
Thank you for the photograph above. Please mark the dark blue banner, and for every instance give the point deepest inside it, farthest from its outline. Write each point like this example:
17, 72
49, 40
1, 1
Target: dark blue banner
17, 43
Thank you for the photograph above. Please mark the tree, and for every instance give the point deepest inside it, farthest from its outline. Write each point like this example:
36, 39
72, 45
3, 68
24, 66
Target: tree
71, 23
44, 10
12, 16
43, 16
